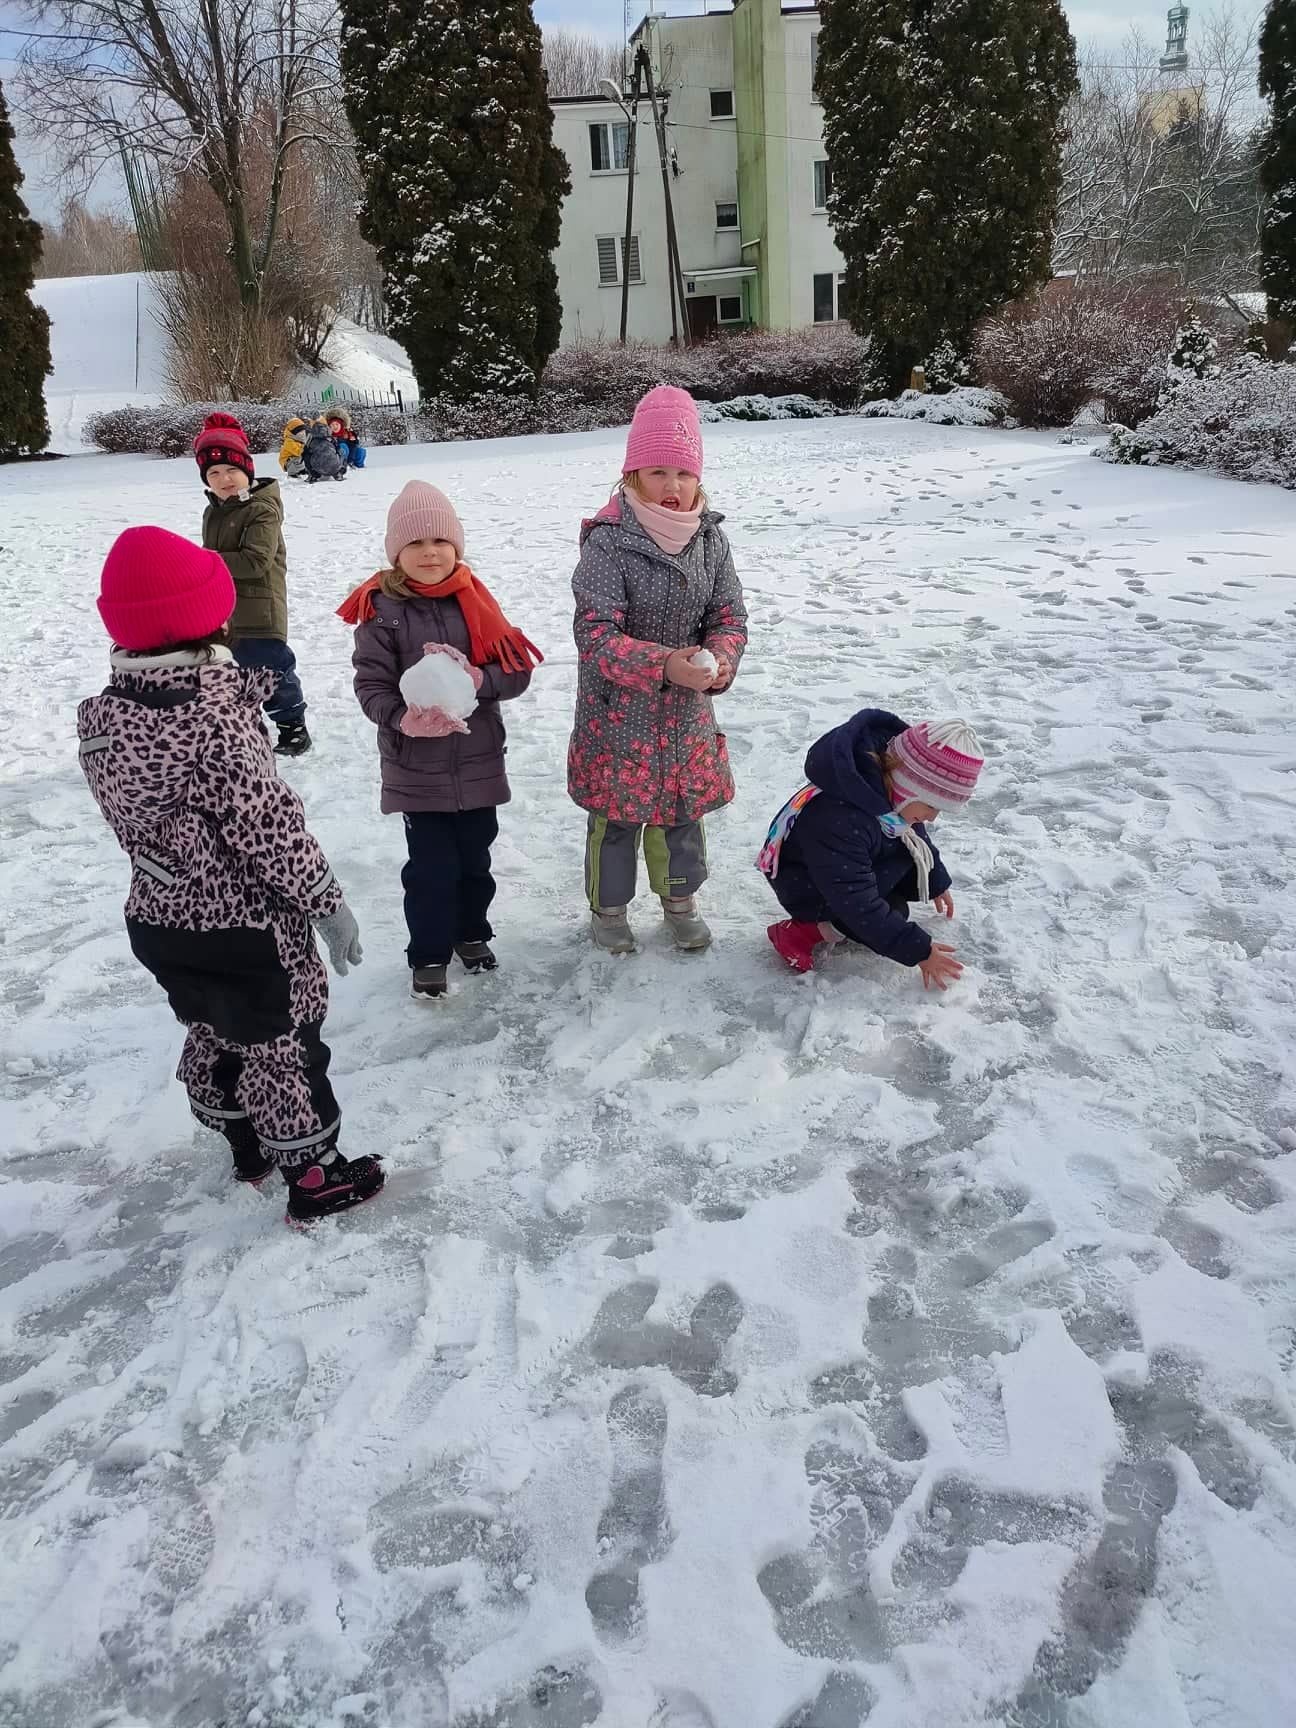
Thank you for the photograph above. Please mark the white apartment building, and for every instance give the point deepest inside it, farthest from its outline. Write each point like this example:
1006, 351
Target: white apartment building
748, 178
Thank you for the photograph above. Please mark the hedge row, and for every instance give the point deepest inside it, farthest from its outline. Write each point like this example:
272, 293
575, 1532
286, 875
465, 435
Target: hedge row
584, 390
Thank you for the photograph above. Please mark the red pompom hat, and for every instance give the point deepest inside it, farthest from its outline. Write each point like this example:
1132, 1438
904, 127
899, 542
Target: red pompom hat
158, 588
222, 439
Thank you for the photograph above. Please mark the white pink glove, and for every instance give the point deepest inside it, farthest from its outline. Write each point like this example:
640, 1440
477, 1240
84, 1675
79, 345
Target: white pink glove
437, 722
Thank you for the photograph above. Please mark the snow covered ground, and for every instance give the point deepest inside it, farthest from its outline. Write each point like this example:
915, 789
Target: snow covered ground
727, 1349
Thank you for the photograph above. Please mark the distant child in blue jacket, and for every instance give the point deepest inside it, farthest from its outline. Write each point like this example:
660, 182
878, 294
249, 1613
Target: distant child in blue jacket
849, 853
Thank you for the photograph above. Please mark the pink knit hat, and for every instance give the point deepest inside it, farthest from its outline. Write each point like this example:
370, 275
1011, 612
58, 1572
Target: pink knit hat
158, 588
422, 512
665, 433
936, 762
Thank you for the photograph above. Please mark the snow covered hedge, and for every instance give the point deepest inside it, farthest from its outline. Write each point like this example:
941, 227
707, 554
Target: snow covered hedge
1068, 347
767, 408
755, 375
171, 429
964, 406
827, 362
1241, 423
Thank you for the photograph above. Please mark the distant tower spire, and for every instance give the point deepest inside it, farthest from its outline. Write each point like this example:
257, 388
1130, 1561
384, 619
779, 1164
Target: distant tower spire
1175, 58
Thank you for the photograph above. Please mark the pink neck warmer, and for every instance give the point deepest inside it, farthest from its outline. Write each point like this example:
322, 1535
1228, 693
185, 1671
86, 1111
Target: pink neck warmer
672, 530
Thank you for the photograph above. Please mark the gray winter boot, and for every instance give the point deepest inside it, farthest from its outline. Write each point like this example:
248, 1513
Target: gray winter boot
611, 930
688, 928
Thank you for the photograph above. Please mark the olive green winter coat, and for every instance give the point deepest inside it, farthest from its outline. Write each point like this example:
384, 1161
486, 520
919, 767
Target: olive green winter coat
248, 534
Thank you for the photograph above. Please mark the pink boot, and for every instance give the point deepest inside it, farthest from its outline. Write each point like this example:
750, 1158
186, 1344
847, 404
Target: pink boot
795, 942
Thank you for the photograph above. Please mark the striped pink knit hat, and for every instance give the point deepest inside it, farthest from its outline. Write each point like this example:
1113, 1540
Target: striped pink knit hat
937, 762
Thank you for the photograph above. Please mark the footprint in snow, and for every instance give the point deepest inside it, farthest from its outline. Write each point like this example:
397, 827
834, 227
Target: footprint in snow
634, 1529
623, 1337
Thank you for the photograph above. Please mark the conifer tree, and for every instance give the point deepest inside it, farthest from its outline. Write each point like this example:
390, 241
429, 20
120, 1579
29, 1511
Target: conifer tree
463, 185
1278, 159
944, 126
24, 326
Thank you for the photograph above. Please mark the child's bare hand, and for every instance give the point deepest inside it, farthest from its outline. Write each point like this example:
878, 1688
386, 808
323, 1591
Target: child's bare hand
940, 967
724, 674
944, 903
681, 670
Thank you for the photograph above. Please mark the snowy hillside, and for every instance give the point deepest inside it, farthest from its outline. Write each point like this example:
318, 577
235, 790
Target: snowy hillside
106, 344
727, 1350
109, 349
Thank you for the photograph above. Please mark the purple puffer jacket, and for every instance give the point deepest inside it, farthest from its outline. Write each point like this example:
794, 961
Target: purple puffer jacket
463, 772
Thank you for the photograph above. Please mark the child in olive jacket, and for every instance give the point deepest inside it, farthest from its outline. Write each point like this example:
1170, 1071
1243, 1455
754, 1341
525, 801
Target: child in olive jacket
243, 521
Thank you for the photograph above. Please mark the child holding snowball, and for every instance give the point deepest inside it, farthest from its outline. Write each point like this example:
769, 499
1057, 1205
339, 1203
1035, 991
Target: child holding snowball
434, 658
660, 629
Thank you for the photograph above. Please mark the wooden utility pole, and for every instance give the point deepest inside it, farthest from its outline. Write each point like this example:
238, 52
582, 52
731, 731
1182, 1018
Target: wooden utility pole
679, 326
631, 160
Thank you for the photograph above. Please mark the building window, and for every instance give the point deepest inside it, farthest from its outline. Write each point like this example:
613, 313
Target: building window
610, 248
730, 308
829, 297
609, 146
822, 184
722, 105
726, 215
814, 59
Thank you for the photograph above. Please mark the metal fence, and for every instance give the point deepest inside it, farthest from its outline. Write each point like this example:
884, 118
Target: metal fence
392, 399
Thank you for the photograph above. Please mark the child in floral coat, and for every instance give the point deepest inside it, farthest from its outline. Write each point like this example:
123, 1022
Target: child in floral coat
660, 629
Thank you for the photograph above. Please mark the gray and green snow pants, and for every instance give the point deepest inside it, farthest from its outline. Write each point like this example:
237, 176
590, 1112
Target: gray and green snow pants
676, 860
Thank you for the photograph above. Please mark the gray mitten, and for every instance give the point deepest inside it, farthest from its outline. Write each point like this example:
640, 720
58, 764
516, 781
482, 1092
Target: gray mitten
341, 936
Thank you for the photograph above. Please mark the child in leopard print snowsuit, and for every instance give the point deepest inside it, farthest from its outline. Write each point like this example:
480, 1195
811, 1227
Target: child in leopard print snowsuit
226, 881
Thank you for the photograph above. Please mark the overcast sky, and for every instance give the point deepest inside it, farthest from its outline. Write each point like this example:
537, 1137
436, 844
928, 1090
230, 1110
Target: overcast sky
1100, 23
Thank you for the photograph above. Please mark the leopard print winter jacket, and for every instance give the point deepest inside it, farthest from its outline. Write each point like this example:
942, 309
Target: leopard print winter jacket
179, 762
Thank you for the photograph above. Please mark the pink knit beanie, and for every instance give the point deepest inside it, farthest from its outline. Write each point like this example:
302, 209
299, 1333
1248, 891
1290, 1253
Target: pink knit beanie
158, 588
422, 512
665, 433
936, 762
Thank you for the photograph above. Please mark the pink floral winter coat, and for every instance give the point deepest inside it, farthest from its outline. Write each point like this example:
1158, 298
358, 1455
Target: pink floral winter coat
643, 750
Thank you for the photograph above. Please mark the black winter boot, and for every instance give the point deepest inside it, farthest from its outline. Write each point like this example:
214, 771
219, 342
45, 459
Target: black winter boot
476, 956
294, 740
318, 1190
428, 982
250, 1163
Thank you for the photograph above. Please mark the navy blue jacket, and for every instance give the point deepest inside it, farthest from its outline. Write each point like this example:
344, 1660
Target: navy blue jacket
837, 863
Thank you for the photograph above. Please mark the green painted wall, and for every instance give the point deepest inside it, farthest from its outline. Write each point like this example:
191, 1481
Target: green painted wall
760, 104
749, 108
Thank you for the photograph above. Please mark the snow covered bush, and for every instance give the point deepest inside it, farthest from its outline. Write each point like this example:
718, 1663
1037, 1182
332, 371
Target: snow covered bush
1241, 423
968, 406
828, 362
170, 430
945, 368
1069, 347
768, 408
1195, 353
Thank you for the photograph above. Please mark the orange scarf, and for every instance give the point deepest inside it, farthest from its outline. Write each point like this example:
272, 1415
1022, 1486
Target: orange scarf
490, 635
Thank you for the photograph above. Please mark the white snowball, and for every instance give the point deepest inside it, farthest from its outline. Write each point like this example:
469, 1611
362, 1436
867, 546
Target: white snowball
437, 681
705, 661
